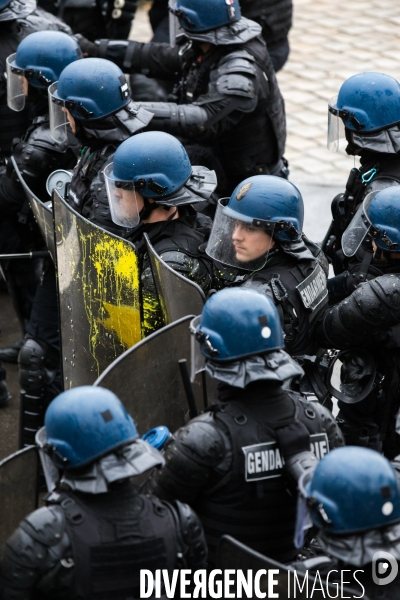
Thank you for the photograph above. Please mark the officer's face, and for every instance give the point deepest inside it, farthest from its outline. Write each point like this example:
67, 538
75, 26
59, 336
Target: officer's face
250, 242
130, 202
25, 85
71, 120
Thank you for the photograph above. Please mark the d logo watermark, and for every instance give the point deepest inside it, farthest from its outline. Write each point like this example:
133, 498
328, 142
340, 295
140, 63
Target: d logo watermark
384, 568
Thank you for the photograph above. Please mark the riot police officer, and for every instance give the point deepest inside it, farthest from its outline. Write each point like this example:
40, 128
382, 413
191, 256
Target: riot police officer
99, 111
259, 231
227, 463
226, 95
96, 531
274, 16
368, 319
356, 535
151, 187
365, 113
17, 20
38, 62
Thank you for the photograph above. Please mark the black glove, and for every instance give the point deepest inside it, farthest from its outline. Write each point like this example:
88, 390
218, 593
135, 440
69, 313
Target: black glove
88, 48
293, 439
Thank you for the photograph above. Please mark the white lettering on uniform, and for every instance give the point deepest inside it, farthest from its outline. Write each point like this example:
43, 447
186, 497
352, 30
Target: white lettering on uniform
250, 462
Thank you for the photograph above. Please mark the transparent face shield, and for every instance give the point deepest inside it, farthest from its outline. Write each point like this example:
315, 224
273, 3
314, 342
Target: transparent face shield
198, 360
175, 28
122, 200
237, 243
51, 473
17, 85
173, 24
58, 116
336, 130
358, 228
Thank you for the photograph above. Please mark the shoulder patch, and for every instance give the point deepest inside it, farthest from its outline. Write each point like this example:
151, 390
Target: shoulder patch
243, 191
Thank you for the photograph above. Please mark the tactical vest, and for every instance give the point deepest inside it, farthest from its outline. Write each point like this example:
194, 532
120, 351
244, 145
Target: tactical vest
248, 137
113, 536
169, 236
251, 502
176, 236
38, 155
300, 293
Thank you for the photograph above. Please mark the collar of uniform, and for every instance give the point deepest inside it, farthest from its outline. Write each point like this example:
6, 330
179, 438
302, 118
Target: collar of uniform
264, 398
358, 549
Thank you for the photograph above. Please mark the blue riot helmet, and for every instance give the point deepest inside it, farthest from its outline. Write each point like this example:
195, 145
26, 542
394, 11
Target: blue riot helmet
366, 107
89, 441
353, 489
156, 166
218, 22
39, 61
85, 423
196, 17
378, 217
263, 202
239, 334
86, 98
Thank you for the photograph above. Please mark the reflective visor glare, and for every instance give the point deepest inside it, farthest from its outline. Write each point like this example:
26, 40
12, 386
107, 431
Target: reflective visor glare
358, 228
237, 243
17, 86
198, 361
58, 116
123, 203
173, 25
50, 471
336, 130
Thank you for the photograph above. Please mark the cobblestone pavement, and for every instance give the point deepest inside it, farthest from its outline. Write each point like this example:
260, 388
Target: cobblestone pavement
330, 41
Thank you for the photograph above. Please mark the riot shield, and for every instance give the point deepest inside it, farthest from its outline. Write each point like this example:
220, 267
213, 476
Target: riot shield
287, 583
42, 212
98, 286
147, 379
178, 295
18, 490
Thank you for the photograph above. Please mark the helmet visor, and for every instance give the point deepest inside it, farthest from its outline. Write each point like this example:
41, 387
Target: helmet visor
122, 200
174, 26
237, 243
58, 116
358, 228
198, 360
336, 130
50, 471
17, 86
